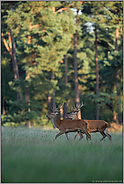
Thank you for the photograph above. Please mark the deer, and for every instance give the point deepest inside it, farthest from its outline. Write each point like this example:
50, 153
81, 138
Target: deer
67, 125
93, 125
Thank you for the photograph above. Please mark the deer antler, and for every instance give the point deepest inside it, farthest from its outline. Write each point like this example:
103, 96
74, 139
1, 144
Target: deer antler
60, 106
71, 109
57, 109
80, 105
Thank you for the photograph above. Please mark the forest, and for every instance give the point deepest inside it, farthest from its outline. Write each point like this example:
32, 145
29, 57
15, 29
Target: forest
61, 51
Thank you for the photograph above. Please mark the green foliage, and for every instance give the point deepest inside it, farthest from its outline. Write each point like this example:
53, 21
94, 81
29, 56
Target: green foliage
43, 35
18, 112
6, 77
113, 70
88, 110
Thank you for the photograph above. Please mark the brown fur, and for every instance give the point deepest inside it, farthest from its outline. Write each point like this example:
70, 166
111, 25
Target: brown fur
68, 125
95, 126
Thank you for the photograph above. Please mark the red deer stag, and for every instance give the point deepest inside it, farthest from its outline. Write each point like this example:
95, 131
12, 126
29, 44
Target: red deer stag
68, 125
93, 125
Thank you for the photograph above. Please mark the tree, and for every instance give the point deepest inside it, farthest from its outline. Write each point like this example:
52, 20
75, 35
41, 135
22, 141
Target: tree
11, 47
6, 77
77, 99
115, 57
101, 17
44, 34
43, 37
66, 82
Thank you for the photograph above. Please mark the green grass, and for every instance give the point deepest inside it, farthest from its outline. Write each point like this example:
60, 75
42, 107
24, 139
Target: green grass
31, 155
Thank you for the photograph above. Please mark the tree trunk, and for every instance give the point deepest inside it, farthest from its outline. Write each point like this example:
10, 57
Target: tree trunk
3, 110
66, 82
15, 67
53, 98
97, 72
27, 96
49, 103
27, 99
66, 70
49, 98
12, 51
77, 99
118, 117
27, 91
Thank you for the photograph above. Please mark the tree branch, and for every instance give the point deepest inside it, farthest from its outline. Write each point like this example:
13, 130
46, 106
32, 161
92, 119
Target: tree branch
10, 41
5, 43
37, 25
64, 8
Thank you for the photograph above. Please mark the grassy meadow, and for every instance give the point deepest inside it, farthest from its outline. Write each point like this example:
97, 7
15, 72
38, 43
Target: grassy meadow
31, 155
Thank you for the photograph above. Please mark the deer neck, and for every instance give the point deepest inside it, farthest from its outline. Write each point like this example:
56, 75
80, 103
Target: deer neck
53, 120
57, 121
76, 117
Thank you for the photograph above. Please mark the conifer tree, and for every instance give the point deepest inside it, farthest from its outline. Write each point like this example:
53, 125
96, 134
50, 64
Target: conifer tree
104, 14
11, 47
43, 43
94, 12
77, 6
43, 38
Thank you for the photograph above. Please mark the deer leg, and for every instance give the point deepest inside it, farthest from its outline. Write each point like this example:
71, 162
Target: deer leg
76, 136
87, 135
81, 136
60, 133
104, 135
87, 138
67, 136
107, 134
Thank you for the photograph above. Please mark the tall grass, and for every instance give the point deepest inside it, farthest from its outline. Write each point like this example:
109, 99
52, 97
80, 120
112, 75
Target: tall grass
31, 155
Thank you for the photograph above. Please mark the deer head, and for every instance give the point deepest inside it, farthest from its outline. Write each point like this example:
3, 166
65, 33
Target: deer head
74, 111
